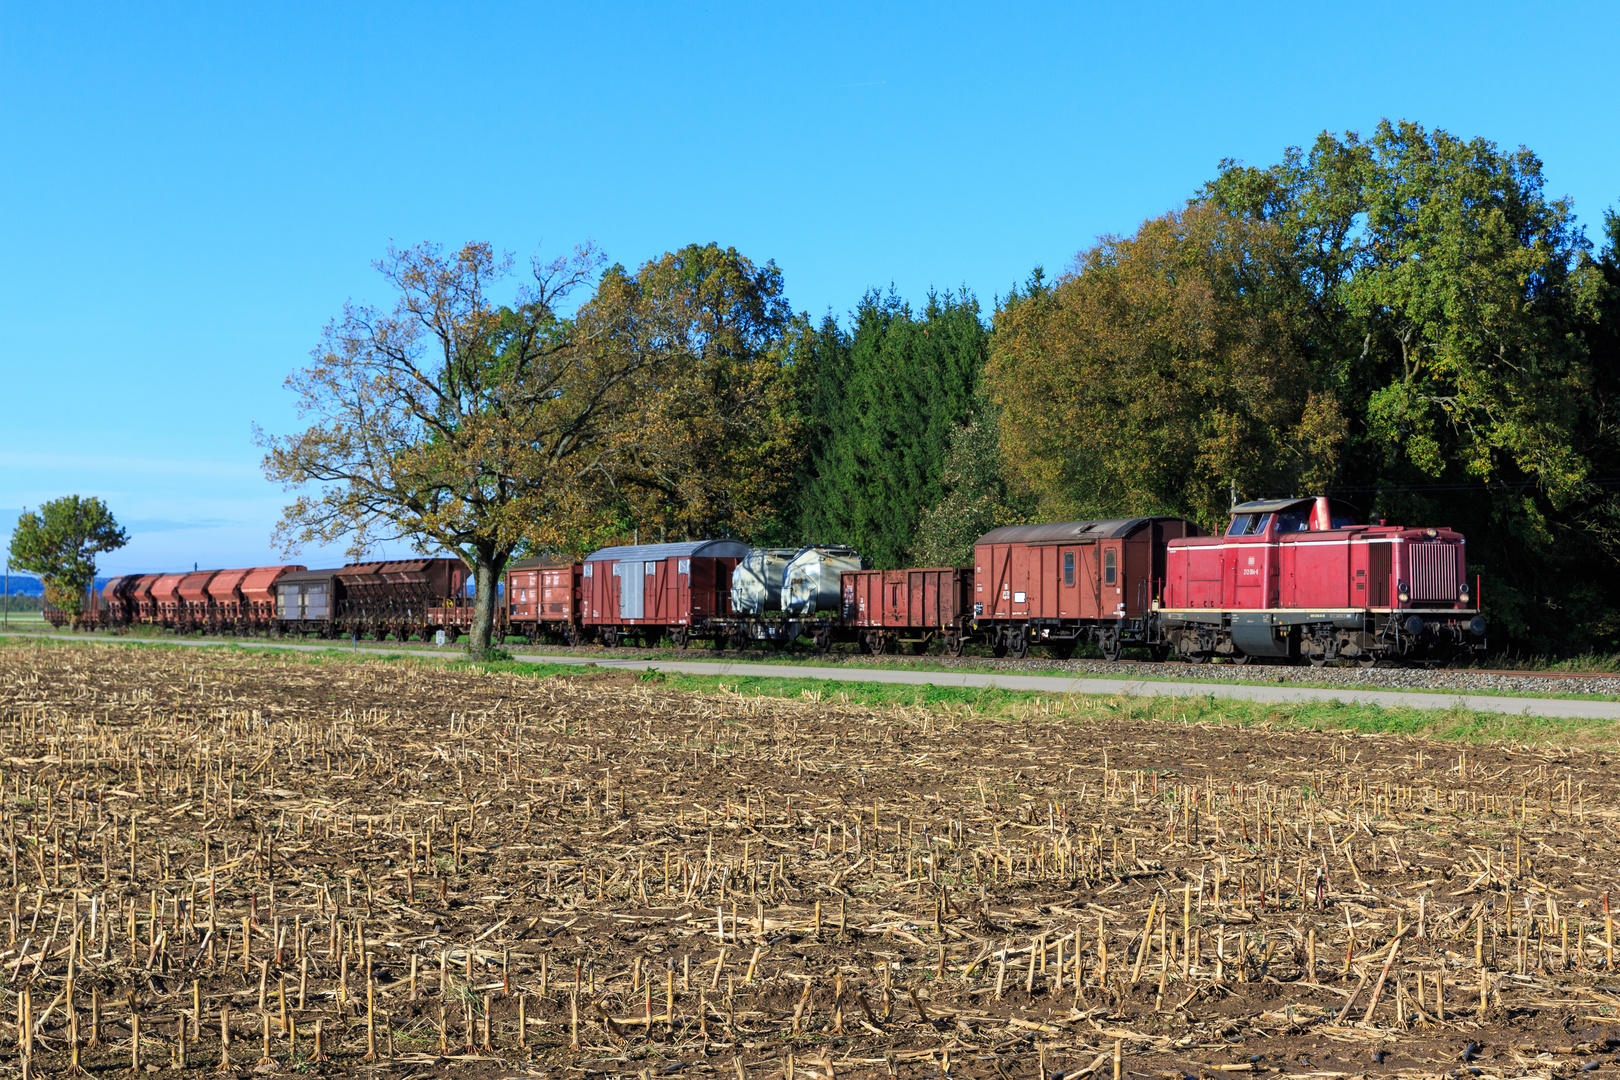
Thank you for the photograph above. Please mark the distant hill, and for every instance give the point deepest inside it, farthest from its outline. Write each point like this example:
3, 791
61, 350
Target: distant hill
17, 585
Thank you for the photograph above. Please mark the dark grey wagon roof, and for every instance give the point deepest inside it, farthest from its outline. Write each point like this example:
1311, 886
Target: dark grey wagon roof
719, 549
1108, 529
306, 575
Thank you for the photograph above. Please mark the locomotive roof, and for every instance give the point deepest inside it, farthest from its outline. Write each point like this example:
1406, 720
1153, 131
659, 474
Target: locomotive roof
1272, 506
719, 549
1107, 529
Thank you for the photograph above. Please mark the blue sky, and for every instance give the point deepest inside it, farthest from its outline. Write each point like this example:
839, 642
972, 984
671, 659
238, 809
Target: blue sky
190, 192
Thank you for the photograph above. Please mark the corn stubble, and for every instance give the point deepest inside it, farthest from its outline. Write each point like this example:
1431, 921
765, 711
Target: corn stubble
218, 863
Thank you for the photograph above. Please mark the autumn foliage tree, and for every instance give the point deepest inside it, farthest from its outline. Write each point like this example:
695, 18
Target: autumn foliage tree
1159, 371
454, 422
1454, 309
457, 423
711, 437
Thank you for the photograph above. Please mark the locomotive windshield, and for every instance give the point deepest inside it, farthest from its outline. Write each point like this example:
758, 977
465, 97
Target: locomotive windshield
1248, 524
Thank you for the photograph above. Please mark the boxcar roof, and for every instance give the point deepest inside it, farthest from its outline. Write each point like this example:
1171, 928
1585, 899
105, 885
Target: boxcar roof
1108, 529
719, 549
306, 575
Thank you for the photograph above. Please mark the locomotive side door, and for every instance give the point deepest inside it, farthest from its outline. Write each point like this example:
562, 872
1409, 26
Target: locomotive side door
1251, 574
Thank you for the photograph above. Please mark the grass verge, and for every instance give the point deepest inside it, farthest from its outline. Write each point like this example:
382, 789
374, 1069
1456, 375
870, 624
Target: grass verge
998, 704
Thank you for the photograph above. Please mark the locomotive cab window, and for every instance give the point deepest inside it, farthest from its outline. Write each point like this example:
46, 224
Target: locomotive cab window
1068, 568
1110, 571
1248, 524
1293, 521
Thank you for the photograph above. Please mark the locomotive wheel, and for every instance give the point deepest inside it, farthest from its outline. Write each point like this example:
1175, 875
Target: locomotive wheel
953, 643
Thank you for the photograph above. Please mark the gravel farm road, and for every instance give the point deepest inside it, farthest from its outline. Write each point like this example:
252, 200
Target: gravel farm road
1570, 708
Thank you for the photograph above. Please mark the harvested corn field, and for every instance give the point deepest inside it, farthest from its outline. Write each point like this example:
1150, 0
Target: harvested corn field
275, 865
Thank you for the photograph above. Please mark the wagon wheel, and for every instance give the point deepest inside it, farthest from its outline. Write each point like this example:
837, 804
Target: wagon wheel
681, 637
609, 638
877, 642
953, 642
1063, 650
1112, 648
823, 639
1367, 660
1240, 659
1317, 659
1159, 653
719, 643
1196, 657
1018, 644
998, 643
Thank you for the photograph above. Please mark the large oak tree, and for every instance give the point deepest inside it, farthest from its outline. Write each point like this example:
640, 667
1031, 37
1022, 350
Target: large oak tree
457, 423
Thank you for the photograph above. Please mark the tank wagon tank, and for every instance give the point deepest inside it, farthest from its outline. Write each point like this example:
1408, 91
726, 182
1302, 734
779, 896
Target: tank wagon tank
812, 581
756, 584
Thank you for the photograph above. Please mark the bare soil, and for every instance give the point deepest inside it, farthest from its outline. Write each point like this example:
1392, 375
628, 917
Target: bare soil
671, 882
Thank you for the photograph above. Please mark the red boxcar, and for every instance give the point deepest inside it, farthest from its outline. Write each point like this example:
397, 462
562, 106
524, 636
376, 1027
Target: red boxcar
1067, 582
887, 607
648, 590
544, 597
1298, 578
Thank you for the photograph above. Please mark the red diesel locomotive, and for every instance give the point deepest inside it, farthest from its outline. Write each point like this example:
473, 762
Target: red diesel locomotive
1298, 578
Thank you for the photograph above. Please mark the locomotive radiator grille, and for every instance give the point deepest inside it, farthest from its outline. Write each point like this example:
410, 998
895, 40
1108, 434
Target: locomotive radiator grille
1433, 569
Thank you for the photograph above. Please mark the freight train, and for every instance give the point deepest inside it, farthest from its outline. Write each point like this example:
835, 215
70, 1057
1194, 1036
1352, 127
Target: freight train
1290, 580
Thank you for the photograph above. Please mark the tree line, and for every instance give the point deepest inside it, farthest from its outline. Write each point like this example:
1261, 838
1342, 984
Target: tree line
1407, 321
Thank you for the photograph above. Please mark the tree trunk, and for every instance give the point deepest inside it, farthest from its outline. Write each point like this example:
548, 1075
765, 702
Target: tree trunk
485, 574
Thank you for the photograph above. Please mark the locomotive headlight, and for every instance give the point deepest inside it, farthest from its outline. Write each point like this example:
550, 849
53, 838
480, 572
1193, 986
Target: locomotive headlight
1402, 591
1462, 594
